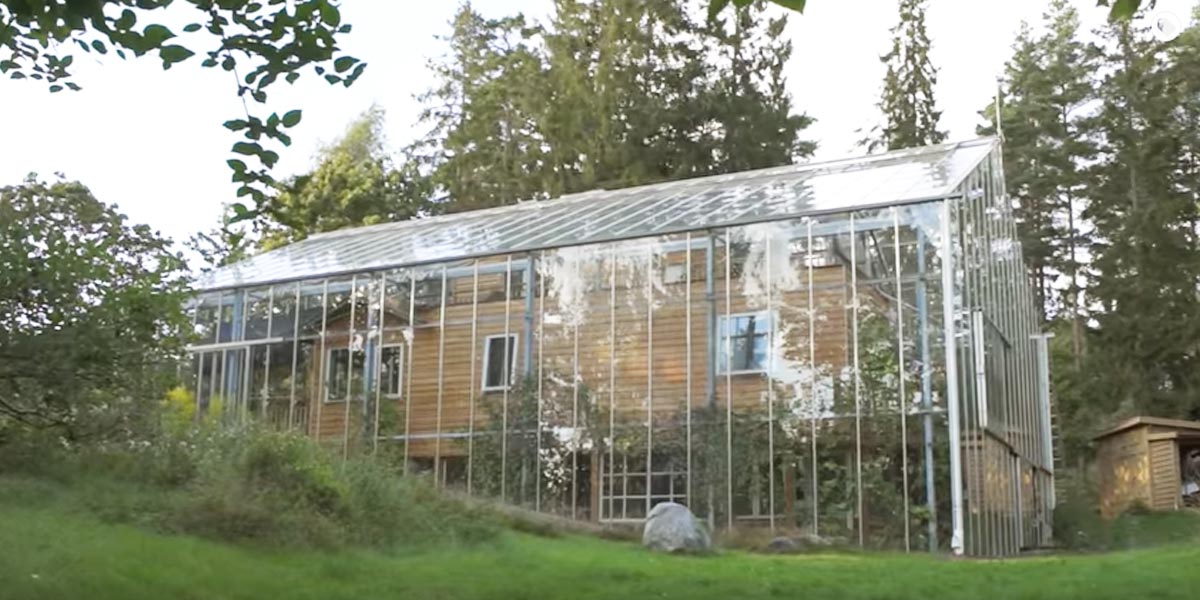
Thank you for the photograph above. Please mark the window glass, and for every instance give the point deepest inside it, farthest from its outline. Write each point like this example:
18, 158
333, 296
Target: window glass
390, 368
340, 369
495, 351
743, 343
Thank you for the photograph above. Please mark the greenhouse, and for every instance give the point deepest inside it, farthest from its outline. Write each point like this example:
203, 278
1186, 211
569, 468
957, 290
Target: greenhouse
849, 348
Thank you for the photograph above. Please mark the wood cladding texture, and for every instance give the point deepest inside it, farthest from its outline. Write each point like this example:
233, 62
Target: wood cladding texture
628, 348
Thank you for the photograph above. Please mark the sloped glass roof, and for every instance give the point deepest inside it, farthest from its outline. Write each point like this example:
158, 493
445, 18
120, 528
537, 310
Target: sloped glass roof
899, 177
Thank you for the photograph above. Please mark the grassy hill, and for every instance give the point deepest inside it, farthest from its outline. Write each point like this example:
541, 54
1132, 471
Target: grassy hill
53, 548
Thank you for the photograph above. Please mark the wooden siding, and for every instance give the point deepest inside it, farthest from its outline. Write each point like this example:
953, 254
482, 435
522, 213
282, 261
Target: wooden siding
1124, 471
642, 383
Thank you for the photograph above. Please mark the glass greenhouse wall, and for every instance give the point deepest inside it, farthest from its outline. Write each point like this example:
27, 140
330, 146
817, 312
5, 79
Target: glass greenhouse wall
846, 348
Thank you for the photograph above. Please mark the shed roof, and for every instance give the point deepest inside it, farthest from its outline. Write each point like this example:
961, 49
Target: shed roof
892, 178
1149, 421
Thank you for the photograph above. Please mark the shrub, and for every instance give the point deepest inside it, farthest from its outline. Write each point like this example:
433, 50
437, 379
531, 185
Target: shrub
246, 484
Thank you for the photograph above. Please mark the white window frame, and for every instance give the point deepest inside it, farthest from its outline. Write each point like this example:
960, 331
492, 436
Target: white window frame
512, 359
400, 391
725, 346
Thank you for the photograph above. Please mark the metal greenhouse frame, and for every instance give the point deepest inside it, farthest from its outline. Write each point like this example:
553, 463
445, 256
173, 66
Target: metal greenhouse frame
764, 347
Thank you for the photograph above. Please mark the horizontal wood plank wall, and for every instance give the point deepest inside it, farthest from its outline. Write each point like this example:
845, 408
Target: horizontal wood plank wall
559, 326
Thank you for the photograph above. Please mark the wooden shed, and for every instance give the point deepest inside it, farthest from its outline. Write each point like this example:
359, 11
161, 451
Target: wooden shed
1145, 460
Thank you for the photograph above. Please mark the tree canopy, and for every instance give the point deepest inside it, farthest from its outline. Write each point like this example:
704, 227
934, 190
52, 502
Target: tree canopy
354, 183
609, 93
90, 310
910, 114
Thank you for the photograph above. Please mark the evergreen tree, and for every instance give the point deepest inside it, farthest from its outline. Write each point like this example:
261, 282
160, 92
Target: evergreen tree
610, 93
910, 113
1144, 206
484, 147
1046, 85
624, 106
758, 128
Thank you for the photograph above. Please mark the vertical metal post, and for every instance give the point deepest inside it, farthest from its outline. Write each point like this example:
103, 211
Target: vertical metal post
810, 261
861, 521
710, 366
507, 370
728, 381
349, 368
612, 376
437, 445
408, 378
901, 372
687, 364
575, 381
770, 284
952, 397
926, 392
649, 373
471, 388
541, 335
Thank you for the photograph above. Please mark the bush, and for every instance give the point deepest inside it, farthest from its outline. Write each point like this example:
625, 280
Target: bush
248, 485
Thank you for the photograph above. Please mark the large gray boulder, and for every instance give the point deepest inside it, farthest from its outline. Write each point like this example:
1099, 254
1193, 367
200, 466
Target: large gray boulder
671, 527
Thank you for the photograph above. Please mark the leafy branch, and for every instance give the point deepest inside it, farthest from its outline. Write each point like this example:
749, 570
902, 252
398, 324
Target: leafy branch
273, 39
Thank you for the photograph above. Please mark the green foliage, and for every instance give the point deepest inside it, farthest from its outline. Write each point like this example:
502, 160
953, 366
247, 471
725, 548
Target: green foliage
258, 42
354, 183
90, 312
608, 94
1047, 142
909, 111
1143, 358
245, 485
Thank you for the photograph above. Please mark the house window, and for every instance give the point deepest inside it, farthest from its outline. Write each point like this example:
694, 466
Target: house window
743, 342
675, 274
341, 371
495, 354
624, 494
391, 366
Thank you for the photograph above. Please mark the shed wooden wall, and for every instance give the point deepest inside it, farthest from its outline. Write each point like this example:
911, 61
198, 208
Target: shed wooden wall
1125, 474
642, 383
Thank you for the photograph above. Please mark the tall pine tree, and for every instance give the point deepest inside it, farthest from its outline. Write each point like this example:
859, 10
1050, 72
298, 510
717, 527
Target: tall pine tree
484, 145
1144, 206
1046, 87
909, 111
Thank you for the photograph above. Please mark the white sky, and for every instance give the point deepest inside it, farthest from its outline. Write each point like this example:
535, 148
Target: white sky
152, 142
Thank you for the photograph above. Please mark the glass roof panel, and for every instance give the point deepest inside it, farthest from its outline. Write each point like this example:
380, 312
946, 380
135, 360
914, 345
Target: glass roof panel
791, 191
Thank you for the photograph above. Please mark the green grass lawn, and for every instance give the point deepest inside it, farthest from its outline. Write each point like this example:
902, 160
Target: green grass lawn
48, 550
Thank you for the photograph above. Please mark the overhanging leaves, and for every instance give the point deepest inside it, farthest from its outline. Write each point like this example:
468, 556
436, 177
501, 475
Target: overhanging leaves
262, 42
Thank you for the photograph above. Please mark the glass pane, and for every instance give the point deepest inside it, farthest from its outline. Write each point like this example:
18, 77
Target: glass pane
283, 311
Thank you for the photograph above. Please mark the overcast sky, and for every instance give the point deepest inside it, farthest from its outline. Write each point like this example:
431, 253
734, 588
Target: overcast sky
152, 142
